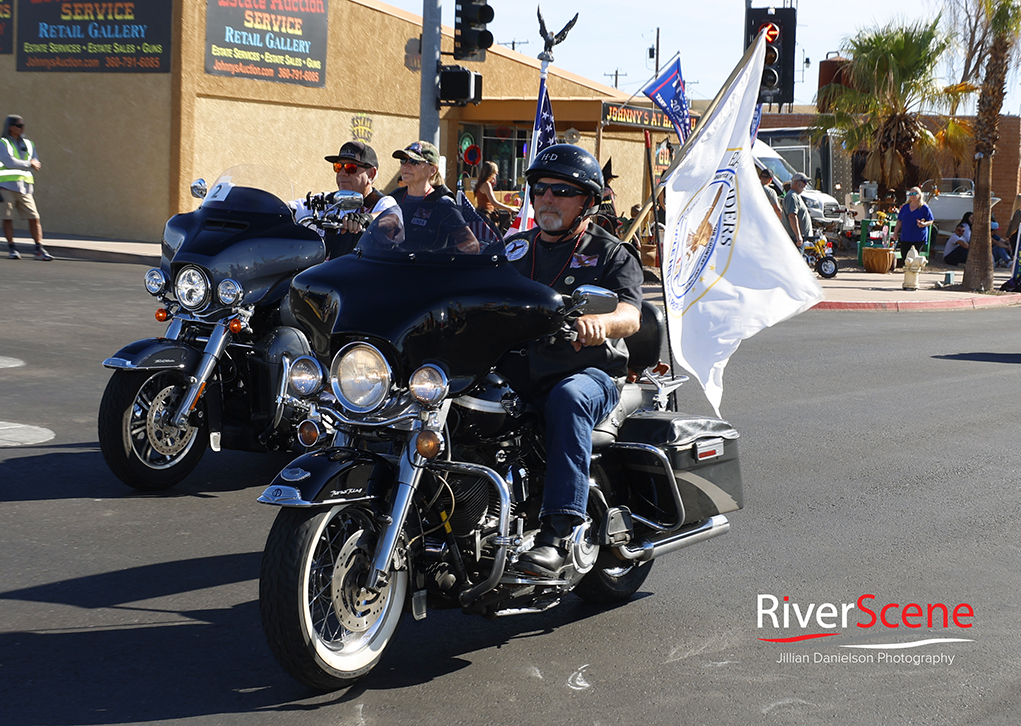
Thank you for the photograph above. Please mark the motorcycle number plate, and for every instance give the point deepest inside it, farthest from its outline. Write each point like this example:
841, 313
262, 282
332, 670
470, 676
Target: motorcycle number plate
711, 449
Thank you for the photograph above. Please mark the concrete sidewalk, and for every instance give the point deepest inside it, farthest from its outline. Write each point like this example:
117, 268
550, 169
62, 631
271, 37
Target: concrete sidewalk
849, 290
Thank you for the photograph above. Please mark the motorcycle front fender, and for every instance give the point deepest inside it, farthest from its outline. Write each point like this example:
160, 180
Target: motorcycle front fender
153, 354
331, 476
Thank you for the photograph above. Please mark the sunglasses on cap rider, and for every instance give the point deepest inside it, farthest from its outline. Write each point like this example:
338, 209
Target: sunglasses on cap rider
350, 168
558, 190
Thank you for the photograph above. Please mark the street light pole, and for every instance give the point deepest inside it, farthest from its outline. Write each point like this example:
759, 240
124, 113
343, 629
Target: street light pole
429, 104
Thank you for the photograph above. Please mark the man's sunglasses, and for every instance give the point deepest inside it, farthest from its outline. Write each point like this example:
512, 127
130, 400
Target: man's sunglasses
559, 190
20, 126
411, 162
339, 166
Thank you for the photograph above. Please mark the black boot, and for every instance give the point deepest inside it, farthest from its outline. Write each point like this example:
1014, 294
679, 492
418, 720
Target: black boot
548, 554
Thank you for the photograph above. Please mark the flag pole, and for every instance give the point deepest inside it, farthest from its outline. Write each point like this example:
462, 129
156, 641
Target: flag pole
687, 146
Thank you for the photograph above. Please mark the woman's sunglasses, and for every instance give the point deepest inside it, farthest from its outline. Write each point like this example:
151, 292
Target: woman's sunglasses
559, 190
411, 162
339, 166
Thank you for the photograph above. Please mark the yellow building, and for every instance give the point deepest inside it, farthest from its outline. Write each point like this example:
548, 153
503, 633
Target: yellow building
121, 141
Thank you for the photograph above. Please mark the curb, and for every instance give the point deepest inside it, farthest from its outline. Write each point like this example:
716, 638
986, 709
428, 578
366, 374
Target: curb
973, 302
78, 252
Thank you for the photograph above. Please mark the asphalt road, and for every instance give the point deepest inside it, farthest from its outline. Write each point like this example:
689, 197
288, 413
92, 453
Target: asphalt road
879, 458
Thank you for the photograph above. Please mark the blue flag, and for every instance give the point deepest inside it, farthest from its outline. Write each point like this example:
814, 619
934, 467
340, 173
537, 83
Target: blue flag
667, 92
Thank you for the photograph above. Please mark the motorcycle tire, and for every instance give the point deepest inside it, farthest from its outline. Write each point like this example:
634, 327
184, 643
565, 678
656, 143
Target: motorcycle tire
614, 583
322, 626
141, 449
826, 267
611, 579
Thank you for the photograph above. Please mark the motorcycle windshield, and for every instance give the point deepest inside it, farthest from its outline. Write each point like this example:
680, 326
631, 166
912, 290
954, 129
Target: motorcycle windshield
461, 306
251, 188
243, 231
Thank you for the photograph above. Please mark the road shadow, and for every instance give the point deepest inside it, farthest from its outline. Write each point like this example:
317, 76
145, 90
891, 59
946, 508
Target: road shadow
1014, 358
72, 471
208, 661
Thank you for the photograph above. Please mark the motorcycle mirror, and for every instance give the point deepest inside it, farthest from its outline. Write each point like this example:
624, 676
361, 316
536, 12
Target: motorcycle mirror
593, 300
198, 189
346, 201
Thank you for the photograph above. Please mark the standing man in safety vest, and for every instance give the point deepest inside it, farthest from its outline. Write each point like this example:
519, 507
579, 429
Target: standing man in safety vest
17, 162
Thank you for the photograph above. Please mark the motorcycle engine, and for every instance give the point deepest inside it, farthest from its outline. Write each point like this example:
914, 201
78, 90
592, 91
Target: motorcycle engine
490, 411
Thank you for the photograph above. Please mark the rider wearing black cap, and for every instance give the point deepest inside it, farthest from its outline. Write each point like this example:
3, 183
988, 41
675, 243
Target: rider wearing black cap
575, 383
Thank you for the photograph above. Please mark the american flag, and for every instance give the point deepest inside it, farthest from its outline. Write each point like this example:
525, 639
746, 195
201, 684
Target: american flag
480, 227
544, 134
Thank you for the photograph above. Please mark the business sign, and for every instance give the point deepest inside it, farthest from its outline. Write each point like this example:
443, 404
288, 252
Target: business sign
615, 114
267, 40
95, 37
6, 27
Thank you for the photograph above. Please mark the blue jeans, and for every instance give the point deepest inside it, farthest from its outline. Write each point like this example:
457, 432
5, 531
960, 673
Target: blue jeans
572, 410
1001, 255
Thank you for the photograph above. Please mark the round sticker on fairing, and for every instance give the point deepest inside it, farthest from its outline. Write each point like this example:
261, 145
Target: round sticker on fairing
516, 249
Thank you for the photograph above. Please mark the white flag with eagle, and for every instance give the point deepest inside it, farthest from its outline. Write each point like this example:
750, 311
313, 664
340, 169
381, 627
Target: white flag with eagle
729, 267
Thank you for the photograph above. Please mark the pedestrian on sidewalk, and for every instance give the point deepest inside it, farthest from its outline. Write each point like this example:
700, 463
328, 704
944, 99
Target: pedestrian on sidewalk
956, 249
766, 177
796, 219
913, 223
17, 162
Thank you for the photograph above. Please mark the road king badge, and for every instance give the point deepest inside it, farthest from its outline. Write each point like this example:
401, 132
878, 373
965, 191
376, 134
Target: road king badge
703, 236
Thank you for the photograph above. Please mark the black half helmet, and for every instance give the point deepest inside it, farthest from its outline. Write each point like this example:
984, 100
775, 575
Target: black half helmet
572, 164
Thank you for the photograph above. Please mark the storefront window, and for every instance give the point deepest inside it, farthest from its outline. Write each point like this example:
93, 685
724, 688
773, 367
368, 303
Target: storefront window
504, 145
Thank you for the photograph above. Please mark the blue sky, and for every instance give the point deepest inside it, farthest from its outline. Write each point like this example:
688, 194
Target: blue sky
615, 35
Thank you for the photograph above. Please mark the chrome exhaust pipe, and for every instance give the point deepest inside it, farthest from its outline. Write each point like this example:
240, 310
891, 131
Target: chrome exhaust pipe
663, 544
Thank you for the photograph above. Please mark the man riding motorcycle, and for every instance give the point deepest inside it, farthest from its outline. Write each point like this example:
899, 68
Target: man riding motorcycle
575, 383
356, 166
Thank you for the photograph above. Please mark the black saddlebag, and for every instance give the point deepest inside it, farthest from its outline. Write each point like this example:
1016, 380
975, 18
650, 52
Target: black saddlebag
703, 453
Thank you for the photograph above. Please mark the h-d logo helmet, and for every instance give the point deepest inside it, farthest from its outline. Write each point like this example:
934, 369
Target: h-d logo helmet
571, 164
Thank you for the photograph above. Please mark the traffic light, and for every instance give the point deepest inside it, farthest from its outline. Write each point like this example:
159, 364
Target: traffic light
470, 35
779, 25
459, 86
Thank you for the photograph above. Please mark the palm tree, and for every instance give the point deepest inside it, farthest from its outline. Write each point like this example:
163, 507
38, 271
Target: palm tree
877, 100
1004, 18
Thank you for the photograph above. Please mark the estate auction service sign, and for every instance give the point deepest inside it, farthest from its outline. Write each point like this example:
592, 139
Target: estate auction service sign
6, 28
97, 37
267, 40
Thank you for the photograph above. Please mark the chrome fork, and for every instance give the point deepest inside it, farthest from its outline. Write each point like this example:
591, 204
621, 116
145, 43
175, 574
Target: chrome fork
211, 354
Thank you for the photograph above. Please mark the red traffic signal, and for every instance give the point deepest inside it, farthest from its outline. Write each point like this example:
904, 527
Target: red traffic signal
772, 31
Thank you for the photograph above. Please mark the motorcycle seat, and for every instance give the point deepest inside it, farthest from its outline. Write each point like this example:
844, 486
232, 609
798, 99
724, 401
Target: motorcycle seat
605, 432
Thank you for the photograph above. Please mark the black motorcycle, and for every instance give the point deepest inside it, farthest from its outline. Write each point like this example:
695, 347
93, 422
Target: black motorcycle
430, 482
217, 377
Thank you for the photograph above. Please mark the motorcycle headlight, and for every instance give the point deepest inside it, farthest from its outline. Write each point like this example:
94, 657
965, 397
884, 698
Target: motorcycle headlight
191, 288
429, 385
360, 377
155, 281
230, 292
306, 376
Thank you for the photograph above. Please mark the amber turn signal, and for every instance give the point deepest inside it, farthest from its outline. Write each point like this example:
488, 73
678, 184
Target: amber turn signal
162, 315
308, 433
428, 444
236, 325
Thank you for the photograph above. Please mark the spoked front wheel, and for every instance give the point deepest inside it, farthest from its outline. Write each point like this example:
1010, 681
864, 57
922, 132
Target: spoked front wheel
139, 443
323, 625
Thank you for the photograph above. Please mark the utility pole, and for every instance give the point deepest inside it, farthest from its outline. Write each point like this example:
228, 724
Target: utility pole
515, 43
654, 52
429, 108
657, 52
616, 74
